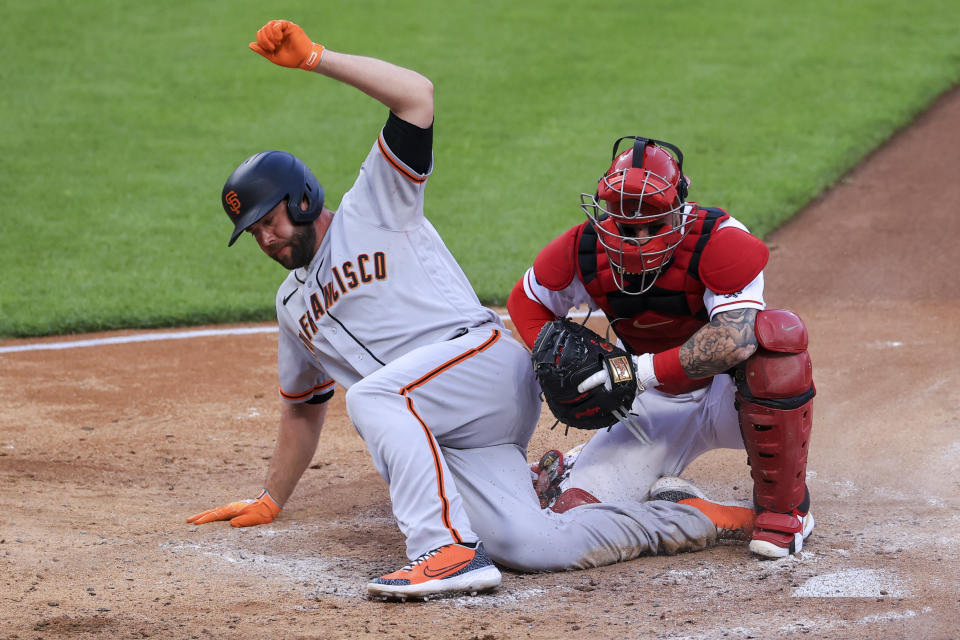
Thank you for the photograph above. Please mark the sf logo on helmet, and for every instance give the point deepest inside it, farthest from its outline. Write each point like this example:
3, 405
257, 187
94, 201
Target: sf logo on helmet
233, 201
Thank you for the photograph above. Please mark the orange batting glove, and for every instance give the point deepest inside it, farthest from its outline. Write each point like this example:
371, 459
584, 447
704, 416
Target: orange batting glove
244, 513
285, 43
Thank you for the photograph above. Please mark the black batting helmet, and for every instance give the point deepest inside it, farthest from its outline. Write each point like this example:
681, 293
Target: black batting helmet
261, 182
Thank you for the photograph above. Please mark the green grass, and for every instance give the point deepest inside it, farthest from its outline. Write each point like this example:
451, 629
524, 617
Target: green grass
119, 122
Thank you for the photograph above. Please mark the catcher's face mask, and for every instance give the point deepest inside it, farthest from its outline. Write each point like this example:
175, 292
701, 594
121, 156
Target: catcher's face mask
638, 212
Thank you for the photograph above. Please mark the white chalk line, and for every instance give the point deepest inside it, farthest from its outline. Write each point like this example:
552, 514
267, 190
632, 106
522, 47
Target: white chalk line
136, 337
172, 335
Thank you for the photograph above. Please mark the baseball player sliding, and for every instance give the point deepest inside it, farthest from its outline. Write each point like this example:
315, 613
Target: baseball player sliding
443, 396
682, 287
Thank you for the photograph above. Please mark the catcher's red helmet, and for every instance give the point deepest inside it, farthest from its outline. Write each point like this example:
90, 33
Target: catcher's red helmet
638, 210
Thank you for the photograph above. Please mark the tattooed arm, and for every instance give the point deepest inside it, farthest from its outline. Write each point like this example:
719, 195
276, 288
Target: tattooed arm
725, 342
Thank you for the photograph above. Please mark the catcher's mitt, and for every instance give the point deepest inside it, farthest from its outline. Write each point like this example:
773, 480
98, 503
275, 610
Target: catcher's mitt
564, 355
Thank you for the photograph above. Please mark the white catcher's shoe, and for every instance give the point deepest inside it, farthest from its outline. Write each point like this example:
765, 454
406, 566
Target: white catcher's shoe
777, 535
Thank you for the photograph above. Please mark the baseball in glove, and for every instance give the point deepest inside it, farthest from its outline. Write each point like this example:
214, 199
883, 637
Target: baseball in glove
564, 355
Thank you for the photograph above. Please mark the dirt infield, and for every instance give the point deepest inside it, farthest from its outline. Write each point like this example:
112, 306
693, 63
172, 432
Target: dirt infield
105, 450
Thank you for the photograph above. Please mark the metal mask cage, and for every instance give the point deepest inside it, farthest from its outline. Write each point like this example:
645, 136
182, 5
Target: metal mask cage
621, 248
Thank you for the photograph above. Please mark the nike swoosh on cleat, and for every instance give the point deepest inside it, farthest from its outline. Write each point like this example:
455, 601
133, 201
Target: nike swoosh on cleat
453, 568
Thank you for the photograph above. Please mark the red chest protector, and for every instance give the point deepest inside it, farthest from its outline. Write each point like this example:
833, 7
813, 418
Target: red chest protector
672, 310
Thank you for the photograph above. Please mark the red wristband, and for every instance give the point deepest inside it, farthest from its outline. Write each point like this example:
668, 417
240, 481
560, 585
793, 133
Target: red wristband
667, 367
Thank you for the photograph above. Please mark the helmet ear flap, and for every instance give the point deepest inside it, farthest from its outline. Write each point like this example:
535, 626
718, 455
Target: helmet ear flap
312, 193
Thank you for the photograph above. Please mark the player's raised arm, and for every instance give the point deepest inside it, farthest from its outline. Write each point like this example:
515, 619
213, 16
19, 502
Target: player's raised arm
405, 92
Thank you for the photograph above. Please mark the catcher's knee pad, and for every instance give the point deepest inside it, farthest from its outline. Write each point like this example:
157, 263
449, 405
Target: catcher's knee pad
775, 406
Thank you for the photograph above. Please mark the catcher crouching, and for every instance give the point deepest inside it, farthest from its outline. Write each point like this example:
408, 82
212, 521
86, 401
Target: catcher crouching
705, 365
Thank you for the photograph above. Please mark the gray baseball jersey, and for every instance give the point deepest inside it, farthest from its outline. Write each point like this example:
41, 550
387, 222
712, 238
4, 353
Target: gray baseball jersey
439, 390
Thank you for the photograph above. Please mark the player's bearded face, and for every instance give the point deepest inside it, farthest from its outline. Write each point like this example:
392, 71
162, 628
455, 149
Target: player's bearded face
290, 244
301, 243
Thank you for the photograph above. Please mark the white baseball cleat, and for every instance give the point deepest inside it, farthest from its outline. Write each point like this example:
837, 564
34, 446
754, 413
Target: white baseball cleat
777, 535
448, 570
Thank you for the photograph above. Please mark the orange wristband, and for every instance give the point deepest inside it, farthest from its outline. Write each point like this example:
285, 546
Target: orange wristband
312, 60
268, 500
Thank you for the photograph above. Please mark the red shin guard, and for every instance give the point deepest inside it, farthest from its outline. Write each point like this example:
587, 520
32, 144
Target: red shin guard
775, 406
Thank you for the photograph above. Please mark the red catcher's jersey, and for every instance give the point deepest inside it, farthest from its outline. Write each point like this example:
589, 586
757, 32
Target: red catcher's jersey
672, 310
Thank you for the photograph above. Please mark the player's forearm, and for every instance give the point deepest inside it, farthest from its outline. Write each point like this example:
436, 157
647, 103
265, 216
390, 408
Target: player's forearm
297, 439
405, 92
725, 342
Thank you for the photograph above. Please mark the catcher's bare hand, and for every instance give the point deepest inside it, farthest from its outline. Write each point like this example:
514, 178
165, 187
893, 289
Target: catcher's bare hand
286, 44
243, 513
